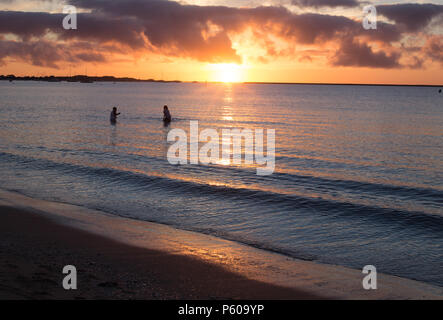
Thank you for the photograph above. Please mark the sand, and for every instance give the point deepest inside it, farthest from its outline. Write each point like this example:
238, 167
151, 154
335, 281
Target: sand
34, 251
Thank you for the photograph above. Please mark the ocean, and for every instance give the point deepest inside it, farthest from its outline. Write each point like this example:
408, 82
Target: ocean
358, 176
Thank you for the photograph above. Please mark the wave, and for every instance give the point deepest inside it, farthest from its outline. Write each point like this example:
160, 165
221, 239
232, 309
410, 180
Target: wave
419, 195
293, 204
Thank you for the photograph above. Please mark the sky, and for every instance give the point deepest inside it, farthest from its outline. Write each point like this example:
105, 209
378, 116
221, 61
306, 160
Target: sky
321, 41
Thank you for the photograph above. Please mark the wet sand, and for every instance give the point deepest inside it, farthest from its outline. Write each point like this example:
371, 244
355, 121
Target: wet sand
34, 250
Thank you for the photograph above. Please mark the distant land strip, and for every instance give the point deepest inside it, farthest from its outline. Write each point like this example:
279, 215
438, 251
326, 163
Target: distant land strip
91, 79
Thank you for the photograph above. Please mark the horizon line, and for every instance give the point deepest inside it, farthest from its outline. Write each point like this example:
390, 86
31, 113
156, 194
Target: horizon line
130, 79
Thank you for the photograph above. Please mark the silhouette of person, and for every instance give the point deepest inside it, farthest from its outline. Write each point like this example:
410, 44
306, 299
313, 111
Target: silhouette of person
114, 115
166, 115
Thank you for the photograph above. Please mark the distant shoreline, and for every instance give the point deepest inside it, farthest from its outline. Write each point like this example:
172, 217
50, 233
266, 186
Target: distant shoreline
350, 84
79, 78
88, 79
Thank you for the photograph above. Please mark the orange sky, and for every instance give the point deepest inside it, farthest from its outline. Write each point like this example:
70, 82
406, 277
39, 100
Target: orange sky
293, 43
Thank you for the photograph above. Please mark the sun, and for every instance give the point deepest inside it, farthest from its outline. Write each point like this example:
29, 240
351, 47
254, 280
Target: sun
227, 72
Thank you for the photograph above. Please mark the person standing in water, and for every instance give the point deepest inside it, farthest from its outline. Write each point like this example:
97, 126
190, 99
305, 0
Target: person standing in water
166, 114
114, 115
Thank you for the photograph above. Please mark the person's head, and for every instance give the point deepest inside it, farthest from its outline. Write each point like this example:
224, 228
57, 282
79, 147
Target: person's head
114, 109
165, 107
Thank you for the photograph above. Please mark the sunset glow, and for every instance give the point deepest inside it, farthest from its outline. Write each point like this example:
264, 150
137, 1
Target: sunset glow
226, 41
227, 72
221, 150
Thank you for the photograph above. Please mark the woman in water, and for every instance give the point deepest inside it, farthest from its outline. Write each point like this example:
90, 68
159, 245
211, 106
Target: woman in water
166, 115
114, 115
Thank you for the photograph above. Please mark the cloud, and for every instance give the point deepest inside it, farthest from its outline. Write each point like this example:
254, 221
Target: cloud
169, 23
37, 53
46, 53
94, 27
197, 32
417, 63
311, 28
205, 33
354, 54
412, 16
325, 3
90, 57
172, 27
28, 24
433, 49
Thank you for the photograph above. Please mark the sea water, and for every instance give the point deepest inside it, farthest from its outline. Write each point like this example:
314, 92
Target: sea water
358, 175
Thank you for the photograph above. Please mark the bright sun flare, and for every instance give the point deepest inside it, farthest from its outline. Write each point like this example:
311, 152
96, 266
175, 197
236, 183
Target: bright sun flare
227, 72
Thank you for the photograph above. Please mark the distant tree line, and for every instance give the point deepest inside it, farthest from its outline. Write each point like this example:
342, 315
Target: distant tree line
77, 78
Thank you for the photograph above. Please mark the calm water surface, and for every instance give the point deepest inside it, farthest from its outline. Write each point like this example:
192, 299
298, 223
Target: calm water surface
358, 177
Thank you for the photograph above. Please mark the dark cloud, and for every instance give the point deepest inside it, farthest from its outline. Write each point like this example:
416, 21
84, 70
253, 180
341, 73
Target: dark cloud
106, 29
28, 24
170, 22
90, 57
412, 16
311, 28
46, 54
385, 32
325, 3
39, 53
198, 32
93, 27
172, 27
354, 54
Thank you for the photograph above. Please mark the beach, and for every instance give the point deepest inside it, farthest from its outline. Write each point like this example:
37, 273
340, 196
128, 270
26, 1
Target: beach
119, 258
34, 251
175, 150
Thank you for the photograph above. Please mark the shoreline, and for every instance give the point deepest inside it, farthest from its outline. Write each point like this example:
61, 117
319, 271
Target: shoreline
163, 257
